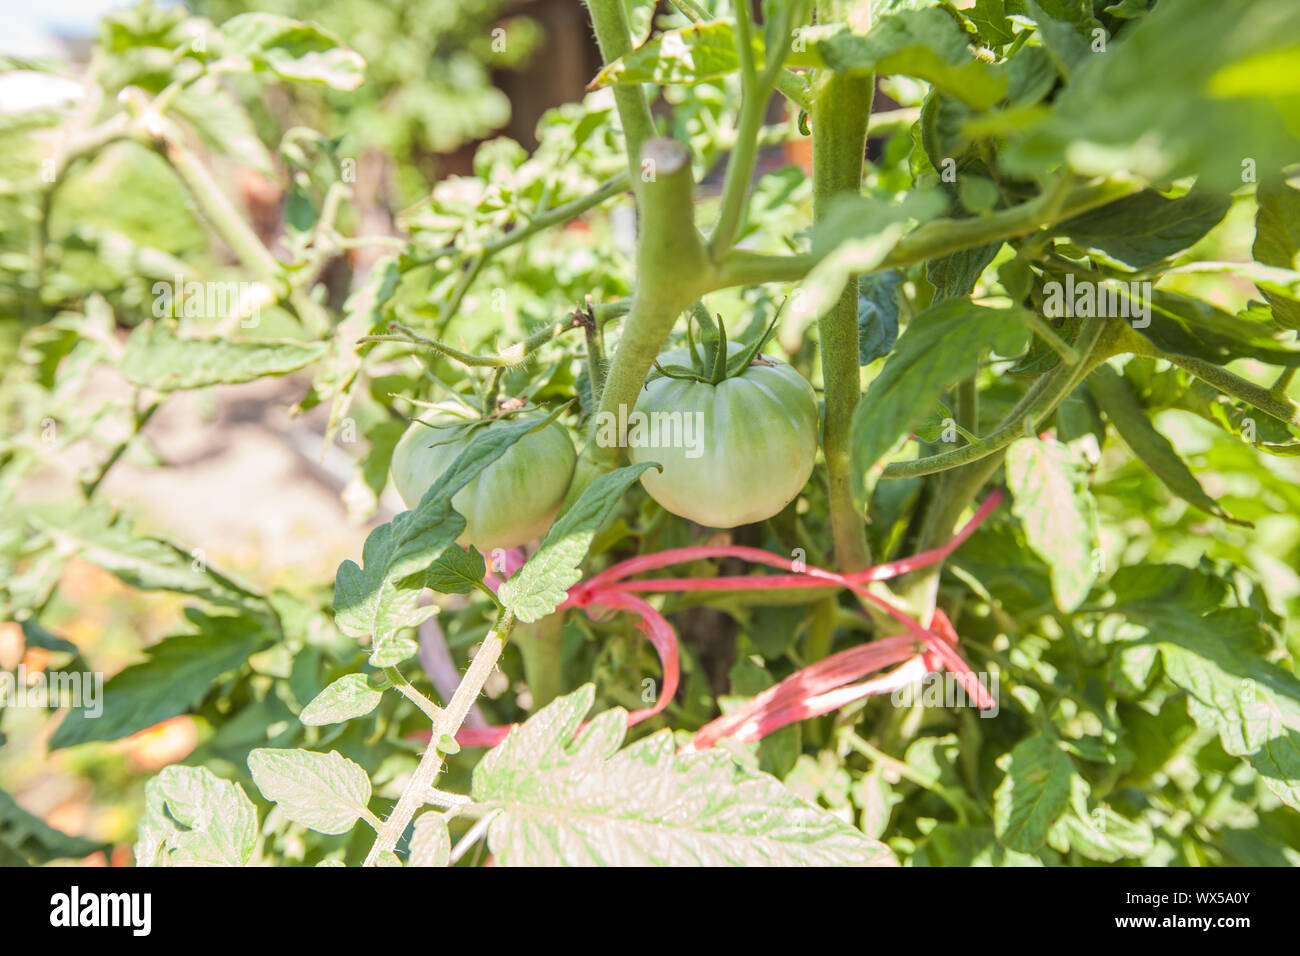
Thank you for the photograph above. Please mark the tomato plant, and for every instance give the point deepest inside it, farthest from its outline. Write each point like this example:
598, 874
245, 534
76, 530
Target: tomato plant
967, 533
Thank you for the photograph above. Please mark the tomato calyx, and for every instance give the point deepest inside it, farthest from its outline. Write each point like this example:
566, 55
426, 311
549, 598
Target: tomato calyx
710, 361
513, 408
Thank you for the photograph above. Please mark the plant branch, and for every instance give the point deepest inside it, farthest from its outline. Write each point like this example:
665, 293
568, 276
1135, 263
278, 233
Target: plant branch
740, 165
672, 271
1047, 392
447, 724
939, 237
516, 354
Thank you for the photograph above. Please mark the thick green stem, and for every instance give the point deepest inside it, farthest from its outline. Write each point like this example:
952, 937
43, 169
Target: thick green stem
672, 271
1266, 399
614, 37
939, 237
841, 107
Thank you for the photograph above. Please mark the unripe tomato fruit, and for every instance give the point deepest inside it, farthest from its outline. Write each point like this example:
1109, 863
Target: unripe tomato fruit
511, 501
757, 442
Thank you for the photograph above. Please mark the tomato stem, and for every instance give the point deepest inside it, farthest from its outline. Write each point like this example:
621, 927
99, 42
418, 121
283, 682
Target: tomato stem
840, 111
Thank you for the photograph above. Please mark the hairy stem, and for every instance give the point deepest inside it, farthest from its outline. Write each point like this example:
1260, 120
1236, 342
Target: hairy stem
939, 237
516, 354
614, 37
447, 724
672, 269
841, 107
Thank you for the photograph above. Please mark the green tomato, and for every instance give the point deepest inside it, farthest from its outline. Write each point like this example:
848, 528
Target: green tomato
744, 448
511, 501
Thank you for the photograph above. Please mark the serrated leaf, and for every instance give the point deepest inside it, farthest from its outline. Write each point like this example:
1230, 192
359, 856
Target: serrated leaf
927, 44
325, 792
1252, 703
158, 358
292, 50
457, 571
1277, 242
1154, 449
539, 587
1102, 835
348, 697
430, 841
194, 818
151, 564
1058, 513
940, 346
1033, 794
176, 676
694, 54
1140, 230
33, 841
951, 844
381, 597
581, 801
1188, 326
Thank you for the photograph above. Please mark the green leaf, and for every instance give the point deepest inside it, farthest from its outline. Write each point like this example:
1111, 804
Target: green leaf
1191, 89
1058, 513
381, 598
457, 571
31, 840
151, 564
1033, 794
1140, 230
640, 17
325, 792
539, 587
1277, 242
158, 358
859, 232
177, 676
694, 54
1187, 326
940, 346
928, 44
430, 841
1252, 703
1099, 833
348, 697
194, 818
877, 314
292, 50
1151, 585
1154, 449
579, 800
950, 844
955, 275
